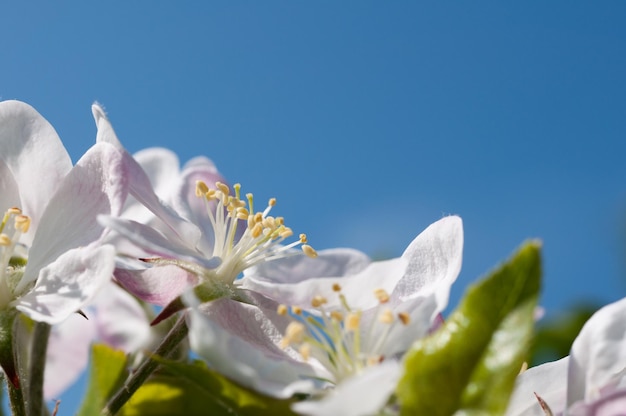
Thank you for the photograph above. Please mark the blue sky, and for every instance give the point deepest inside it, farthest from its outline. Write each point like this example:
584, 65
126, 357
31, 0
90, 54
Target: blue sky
366, 120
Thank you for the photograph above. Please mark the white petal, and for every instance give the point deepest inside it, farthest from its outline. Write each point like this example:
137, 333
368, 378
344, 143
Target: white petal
9, 193
96, 185
248, 354
31, 148
358, 288
67, 354
362, 395
329, 263
434, 258
153, 242
548, 380
140, 186
598, 354
69, 283
121, 321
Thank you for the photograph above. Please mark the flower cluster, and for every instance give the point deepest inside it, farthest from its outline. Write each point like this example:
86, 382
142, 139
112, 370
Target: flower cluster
153, 254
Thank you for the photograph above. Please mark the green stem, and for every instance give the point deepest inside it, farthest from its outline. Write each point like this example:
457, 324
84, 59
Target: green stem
147, 367
39, 346
16, 399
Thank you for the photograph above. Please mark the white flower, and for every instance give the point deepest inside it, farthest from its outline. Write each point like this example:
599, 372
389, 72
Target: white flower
51, 260
590, 381
204, 233
350, 320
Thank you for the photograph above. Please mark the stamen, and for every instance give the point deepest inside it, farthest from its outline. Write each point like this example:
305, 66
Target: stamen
336, 287
201, 189
282, 310
305, 351
404, 317
381, 295
318, 301
5, 240
309, 251
352, 321
386, 316
22, 223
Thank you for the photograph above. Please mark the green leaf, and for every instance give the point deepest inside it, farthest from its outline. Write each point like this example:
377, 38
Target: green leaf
108, 373
192, 388
469, 365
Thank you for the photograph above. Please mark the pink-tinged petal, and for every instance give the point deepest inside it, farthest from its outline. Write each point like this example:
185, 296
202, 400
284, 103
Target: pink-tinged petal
155, 243
31, 148
9, 193
611, 404
67, 354
548, 381
122, 323
189, 206
158, 285
331, 263
361, 395
598, 354
358, 289
95, 186
140, 186
67, 284
238, 340
162, 167
434, 262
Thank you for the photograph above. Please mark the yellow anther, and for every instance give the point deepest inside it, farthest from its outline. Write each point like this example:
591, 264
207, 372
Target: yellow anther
211, 194
318, 301
257, 230
281, 310
404, 317
386, 316
309, 251
303, 239
280, 220
381, 295
22, 223
258, 217
337, 316
201, 189
242, 213
296, 310
305, 351
5, 240
285, 232
223, 187
14, 211
524, 367
374, 360
271, 202
336, 287
237, 188
352, 322
268, 222
294, 334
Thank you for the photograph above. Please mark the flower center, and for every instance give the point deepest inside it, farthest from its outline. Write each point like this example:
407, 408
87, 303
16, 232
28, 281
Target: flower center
337, 338
261, 238
12, 262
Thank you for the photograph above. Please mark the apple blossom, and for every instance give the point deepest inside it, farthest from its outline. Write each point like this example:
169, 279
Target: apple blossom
342, 324
591, 381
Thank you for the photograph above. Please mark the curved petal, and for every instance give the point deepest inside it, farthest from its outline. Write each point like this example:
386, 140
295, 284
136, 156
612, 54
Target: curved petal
189, 206
69, 283
329, 263
96, 185
158, 285
612, 404
9, 192
358, 289
154, 243
141, 188
31, 148
121, 321
435, 258
546, 380
238, 341
362, 395
67, 354
162, 167
598, 354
